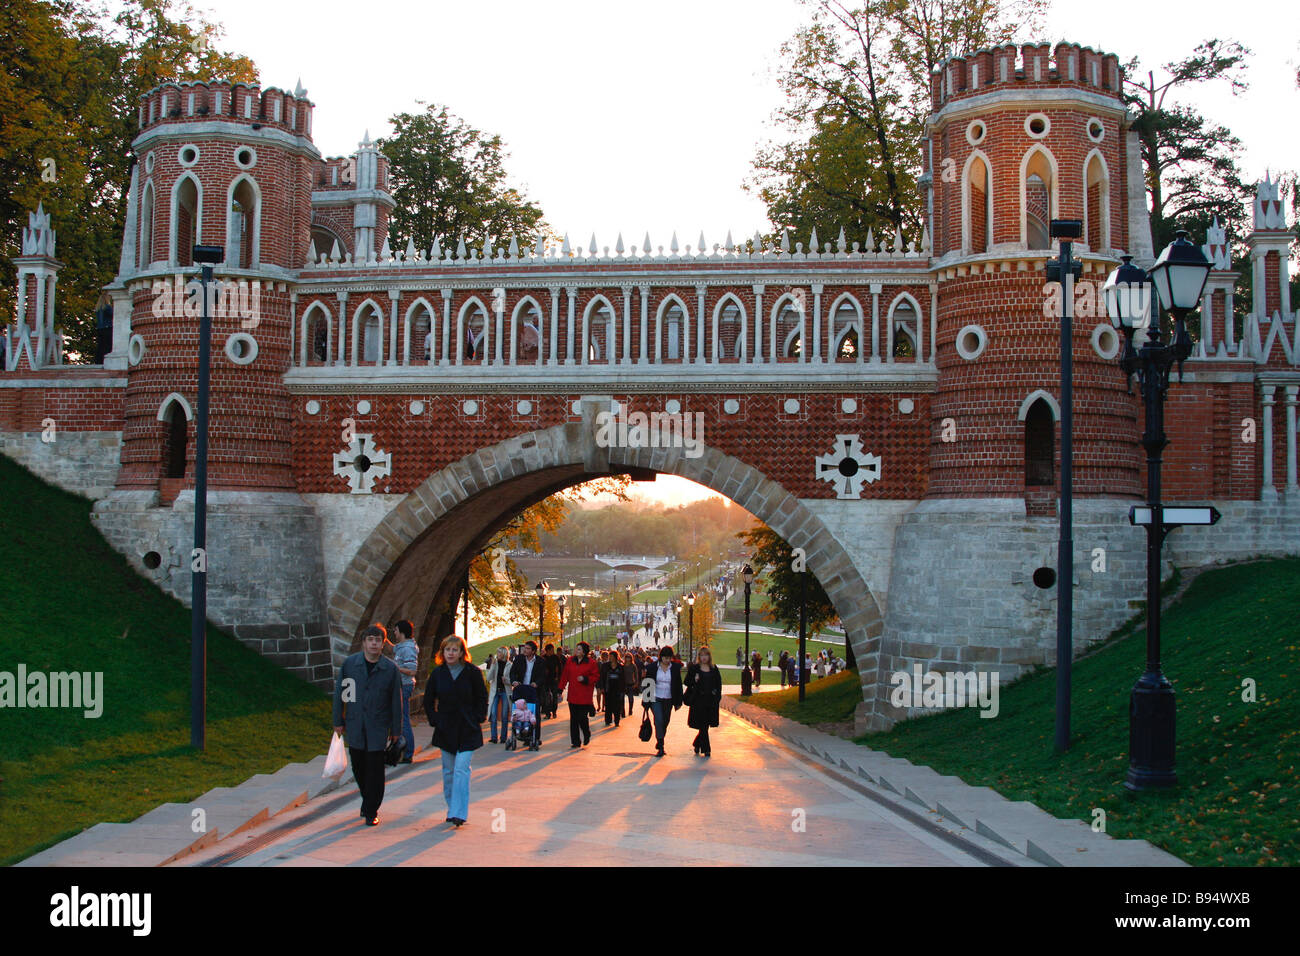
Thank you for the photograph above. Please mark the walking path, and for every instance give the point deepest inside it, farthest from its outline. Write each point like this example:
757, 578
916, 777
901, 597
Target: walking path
773, 793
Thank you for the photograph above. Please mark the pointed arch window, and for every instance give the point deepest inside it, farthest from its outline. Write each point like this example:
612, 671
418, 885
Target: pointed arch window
1038, 190
904, 325
1097, 211
145, 251
175, 441
978, 206
1040, 445
674, 319
243, 224
185, 218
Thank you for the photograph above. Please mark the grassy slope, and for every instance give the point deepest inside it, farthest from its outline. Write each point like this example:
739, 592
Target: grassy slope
1238, 791
70, 602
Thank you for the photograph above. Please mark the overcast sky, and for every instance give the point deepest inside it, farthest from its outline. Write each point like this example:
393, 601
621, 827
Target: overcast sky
639, 117
635, 117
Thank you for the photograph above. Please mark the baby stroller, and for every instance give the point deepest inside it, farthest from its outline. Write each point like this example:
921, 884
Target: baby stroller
524, 732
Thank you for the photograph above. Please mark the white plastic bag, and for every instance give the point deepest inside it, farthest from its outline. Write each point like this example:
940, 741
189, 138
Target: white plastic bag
337, 761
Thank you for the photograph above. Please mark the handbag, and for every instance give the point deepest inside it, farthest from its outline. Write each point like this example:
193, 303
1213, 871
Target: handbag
393, 752
647, 730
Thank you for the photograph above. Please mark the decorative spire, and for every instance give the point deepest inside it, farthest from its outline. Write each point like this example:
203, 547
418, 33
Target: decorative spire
460, 248
411, 253
672, 246
435, 251
365, 140
618, 246
647, 248
1268, 205
564, 246
513, 251
898, 240
812, 241
703, 245
386, 253
871, 240
539, 250
38, 237
925, 238
729, 245
785, 241
1216, 246
593, 248
842, 243
335, 254
298, 91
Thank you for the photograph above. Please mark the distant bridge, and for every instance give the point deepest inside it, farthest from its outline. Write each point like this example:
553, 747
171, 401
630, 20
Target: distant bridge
620, 562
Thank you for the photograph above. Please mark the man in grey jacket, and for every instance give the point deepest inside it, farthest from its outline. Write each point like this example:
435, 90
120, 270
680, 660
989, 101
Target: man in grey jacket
368, 714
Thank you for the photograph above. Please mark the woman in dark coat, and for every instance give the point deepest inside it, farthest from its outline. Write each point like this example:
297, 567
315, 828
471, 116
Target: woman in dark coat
611, 680
703, 694
581, 675
455, 701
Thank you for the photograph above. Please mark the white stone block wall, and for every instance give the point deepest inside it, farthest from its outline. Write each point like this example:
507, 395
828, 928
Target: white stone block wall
346, 521
84, 463
866, 530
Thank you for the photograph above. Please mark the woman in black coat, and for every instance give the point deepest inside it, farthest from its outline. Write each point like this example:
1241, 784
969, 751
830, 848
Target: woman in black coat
455, 701
703, 698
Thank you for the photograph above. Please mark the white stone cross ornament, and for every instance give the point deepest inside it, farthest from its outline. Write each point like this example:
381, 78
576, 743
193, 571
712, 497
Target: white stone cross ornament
362, 464
848, 467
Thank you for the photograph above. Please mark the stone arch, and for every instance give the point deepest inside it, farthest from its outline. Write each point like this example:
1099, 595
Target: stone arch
420, 547
179, 399
1035, 396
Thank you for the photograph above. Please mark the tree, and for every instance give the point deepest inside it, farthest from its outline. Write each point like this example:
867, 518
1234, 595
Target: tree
449, 183
1192, 165
774, 558
857, 87
68, 98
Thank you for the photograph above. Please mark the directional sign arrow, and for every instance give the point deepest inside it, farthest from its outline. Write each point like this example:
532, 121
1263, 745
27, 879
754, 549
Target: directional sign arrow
1176, 515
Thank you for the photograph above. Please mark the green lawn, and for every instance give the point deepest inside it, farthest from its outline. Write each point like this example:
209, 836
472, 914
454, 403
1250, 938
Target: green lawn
1236, 802
70, 602
831, 699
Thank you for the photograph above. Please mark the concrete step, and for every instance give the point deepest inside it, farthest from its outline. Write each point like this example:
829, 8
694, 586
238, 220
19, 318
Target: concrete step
124, 844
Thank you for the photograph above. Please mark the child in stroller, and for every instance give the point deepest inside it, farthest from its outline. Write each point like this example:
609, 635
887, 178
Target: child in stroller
522, 722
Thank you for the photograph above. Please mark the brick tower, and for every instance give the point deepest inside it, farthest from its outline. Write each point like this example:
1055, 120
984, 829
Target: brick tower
228, 165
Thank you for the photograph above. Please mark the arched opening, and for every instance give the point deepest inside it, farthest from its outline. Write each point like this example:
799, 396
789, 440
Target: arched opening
322, 243
846, 324
475, 323
422, 344
317, 327
847, 349
243, 224
904, 326
1039, 189
530, 333
731, 330
186, 228
369, 323
144, 254
175, 441
598, 323
789, 331
421, 550
978, 206
673, 318
1097, 204
1040, 445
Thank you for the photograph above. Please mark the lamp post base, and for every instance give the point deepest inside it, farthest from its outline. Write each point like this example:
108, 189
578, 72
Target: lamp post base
1151, 734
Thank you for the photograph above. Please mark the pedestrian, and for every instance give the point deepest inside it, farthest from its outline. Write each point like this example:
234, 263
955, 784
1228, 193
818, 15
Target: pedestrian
769, 657
368, 715
581, 675
455, 701
783, 665
600, 691
527, 677
498, 674
611, 679
551, 691
756, 665
703, 694
740, 657
631, 681
406, 655
667, 678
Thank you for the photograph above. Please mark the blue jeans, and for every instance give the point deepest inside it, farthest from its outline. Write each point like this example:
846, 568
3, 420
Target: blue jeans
663, 712
455, 783
407, 734
500, 703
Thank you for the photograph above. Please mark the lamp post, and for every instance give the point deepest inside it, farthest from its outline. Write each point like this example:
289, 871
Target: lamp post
560, 603
582, 631
627, 615
748, 574
1179, 277
207, 257
690, 647
542, 589
803, 630
1065, 270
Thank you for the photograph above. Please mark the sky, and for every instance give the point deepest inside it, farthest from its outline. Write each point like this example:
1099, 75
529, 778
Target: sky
634, 118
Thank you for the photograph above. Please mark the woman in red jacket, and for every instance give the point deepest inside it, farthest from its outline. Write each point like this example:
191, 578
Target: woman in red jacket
580, 675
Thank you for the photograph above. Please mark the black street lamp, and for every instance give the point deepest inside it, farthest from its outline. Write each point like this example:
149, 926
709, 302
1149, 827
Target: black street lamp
1179, 277
690, 647
1065, 270
207, 257
748, 574
627, 615
582, 630
560, 603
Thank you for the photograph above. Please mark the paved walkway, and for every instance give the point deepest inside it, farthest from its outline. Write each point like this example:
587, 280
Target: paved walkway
755, 801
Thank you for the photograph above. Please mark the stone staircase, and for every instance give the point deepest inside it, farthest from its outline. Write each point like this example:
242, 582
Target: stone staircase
174, 830
1017, 825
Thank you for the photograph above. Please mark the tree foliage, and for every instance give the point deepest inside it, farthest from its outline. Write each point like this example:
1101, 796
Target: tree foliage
1192, 165
449, 182
69, 93
857, 89
774, 558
